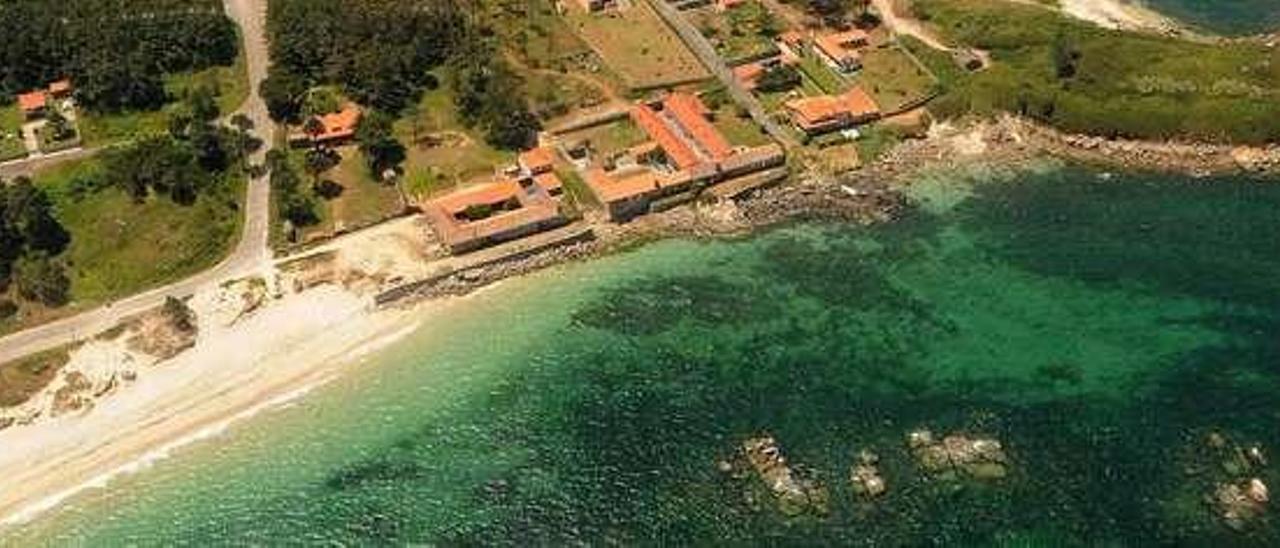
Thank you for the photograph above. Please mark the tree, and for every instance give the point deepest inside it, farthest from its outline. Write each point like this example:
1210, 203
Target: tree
58, 125
203, 103
282, 91
244, 139
381, 150
314, 128
29, 212
42, 279
778, 79
180, 316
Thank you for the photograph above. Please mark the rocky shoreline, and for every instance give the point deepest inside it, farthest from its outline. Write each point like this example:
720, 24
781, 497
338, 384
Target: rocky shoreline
868, 195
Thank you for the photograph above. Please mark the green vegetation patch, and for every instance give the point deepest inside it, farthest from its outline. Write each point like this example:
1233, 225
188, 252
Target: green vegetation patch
745, 32
11, 145
894, 79
24, 378
1080, 78
120, 246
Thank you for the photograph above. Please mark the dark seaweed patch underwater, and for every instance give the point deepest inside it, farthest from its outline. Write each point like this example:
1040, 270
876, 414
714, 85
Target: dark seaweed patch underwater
1103, 331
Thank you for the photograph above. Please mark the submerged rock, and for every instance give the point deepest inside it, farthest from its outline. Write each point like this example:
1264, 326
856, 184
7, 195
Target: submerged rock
795, 494
1241, 503
979, 458
865, 476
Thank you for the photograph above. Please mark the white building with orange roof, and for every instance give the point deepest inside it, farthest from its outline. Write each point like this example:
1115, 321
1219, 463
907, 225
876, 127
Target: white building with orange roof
825, 113
841, 50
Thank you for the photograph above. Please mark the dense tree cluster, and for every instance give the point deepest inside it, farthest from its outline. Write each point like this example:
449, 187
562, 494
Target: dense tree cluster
30, 240
184, 164
379, 50
291, 202
116, 52
382, 51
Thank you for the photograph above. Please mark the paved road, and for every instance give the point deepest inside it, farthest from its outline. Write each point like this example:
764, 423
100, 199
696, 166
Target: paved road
707, 54
28, 166
250, 255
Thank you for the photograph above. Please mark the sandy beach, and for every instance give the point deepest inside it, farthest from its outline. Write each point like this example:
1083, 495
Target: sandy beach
1121, 15
246, 359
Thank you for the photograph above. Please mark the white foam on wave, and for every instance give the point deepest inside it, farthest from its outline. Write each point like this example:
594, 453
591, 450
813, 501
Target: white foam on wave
357, 354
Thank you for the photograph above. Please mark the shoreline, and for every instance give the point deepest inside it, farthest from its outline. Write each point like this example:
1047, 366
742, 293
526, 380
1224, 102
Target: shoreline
189, 401
260, 357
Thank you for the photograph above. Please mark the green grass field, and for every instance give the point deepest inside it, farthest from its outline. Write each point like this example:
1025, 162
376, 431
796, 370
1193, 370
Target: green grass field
893, 79
1080, 78
119, 247
459, 155
11, 146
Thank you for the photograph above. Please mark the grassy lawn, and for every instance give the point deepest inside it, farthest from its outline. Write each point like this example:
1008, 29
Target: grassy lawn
608, 138
363, 201
119, 248
893, 78
11, 146
1080, 78
821, 76
638, 46
457, 155
739, 34
739, 130
230, 83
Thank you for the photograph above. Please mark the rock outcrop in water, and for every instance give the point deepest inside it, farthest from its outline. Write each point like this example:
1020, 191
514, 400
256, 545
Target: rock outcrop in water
1241, 503
959, 455
794, 493
1240, 497
865, 476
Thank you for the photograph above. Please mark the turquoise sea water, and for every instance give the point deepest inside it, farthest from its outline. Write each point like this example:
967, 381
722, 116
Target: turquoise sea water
1224, 16
1100, 328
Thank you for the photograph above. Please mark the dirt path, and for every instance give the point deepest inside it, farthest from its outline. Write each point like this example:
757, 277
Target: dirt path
901, 24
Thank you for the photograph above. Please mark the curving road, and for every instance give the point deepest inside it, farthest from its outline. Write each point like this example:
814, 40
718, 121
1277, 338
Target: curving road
251, 254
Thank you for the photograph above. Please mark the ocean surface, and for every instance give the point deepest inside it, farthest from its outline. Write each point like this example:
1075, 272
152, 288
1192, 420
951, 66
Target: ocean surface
1224, 16
1104, 329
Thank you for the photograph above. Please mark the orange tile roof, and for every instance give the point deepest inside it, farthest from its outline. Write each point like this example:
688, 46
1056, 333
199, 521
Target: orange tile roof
836, 45
792, 37
341, 124
748, 74
859, 103
548, 180
675, 148
483, 194
538, 160
823, 109
61, 86
32, 101
691, 114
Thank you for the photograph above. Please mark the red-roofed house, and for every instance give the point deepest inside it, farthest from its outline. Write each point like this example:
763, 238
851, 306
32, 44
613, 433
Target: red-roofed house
677, 151
33, 103
791, 42
61, 89
339, 127
824, 113
840, 49
537, 160
692, 117
726, 5
491, 213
